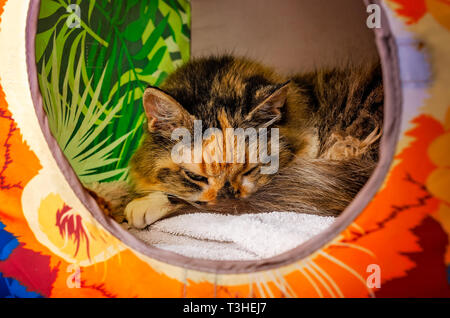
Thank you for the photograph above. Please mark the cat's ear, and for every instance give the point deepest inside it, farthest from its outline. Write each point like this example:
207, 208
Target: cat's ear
269, 110
163, 112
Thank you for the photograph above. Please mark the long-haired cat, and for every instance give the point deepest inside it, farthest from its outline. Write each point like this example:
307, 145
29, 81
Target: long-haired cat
329, 125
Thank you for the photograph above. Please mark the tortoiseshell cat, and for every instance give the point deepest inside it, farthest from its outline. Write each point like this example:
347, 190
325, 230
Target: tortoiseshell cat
329, 127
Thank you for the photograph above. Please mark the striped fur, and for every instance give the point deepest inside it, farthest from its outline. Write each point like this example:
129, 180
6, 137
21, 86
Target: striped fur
330, 125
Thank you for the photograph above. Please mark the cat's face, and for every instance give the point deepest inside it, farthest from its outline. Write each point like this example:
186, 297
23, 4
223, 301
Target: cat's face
212, 182
193, 155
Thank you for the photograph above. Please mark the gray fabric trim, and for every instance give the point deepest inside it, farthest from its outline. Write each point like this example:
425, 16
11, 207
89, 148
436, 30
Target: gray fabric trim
393, 102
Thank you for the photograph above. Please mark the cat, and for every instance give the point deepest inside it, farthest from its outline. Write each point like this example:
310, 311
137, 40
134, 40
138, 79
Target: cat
329, 126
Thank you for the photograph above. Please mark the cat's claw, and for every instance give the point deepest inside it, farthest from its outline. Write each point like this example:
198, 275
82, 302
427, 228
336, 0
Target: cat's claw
147, 210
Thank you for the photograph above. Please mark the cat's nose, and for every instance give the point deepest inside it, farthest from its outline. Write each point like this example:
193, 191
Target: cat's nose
227, 191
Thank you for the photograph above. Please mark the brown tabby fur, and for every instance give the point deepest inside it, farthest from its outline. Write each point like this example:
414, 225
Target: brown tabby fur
330, 122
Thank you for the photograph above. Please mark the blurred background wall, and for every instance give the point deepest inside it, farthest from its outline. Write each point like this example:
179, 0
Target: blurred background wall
290, 35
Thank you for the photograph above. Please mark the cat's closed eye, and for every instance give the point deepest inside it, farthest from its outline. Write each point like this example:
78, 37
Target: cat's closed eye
195, 177
249, 172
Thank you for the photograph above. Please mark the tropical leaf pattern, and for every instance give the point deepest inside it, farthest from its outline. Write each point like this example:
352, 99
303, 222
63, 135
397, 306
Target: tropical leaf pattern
95, 58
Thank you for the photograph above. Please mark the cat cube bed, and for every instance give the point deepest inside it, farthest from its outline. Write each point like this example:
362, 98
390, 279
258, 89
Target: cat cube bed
69, 108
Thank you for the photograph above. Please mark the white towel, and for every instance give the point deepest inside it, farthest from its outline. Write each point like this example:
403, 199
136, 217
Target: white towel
233, 237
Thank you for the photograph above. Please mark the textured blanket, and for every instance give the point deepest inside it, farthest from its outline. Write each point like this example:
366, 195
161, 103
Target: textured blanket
233, 237
220, 236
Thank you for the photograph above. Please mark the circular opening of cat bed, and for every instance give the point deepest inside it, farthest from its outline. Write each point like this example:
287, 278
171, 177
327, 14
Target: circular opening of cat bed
387, 52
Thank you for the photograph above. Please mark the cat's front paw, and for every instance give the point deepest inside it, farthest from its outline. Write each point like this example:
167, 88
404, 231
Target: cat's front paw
147, 210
